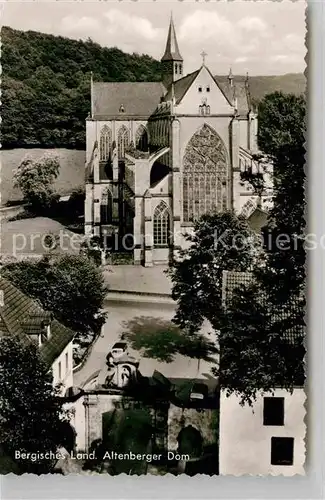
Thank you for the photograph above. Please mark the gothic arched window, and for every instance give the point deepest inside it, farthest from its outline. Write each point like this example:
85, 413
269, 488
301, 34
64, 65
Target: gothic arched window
106, 206
141, 139
161, 225
105, 143
123, 141
205, 177
204, 109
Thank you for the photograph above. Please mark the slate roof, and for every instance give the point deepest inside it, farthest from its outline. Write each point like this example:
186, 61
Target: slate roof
181, 86
22, 316
172, 51
137, 98
141, 99
234, 279
239, 90
257, 220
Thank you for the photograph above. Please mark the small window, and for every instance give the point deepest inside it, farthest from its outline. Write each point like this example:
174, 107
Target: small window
204, 109
176, 69
121, 110
66, 362
59, 370
208, 89
180, 69
273, 411
200, 89
282, 451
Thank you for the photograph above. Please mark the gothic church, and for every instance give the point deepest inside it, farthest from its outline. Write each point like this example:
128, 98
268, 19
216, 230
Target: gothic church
161, 154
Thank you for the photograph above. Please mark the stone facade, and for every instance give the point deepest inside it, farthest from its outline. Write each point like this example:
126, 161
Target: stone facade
168, 421
150, 166
204, 421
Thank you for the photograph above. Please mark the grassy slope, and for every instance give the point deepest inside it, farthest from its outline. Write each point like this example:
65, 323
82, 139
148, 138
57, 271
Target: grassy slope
71, 173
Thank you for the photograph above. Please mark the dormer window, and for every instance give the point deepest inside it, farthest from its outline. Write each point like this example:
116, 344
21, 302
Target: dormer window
45, 332
200, 89
121, 110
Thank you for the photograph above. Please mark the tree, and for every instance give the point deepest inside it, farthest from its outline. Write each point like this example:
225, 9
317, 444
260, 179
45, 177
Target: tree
46, 90
31, 413
219, 241
35, 179
281, 138
163, 340
262, 331
70, 286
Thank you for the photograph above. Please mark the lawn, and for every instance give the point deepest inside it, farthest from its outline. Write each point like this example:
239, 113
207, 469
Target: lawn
28, 236
71, 175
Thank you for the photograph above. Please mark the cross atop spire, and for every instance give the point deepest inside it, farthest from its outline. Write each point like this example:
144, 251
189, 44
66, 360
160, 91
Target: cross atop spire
203, 55
172, 51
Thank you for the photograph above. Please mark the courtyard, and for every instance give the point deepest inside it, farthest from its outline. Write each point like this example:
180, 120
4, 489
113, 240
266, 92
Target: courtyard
150, 335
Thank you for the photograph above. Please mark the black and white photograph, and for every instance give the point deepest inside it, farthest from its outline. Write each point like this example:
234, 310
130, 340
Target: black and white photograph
153, 239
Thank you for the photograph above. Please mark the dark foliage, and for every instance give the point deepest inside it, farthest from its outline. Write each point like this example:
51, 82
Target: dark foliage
31, 413
220, 241
162, 340
262, 333
46, 85
71, 286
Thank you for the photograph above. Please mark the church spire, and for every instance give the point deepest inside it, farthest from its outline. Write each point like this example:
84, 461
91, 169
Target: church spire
171, 61
172, 51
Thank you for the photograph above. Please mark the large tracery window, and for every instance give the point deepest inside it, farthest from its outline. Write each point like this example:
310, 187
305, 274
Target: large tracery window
205, 186
123, 141
105, 142
141, 139
106, 207
161, 225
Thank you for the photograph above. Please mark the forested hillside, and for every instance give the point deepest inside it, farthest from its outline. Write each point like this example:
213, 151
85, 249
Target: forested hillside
46, 85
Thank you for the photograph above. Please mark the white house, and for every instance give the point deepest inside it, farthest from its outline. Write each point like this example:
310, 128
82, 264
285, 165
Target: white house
267, 438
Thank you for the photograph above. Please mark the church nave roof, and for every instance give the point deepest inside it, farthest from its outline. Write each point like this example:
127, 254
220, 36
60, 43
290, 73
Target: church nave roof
139, 99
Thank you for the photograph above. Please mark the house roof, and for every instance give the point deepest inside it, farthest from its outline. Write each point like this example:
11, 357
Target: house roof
257, 220
232, 280
22, 316
138, 99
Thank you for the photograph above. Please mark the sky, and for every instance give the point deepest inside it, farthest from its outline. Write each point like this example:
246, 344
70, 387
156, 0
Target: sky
260, 37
